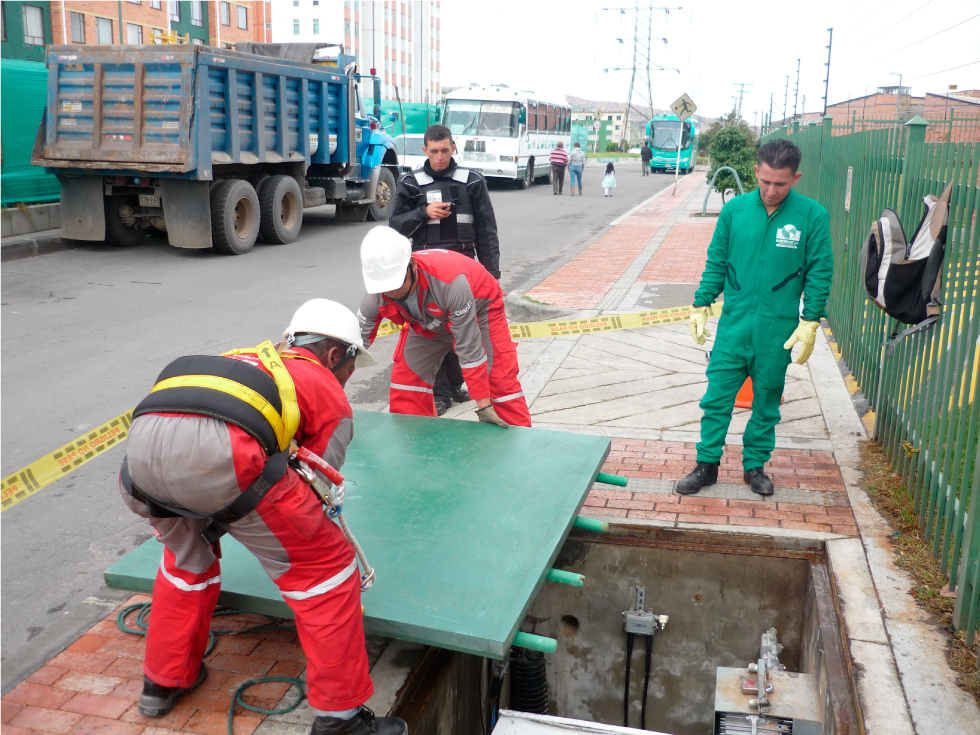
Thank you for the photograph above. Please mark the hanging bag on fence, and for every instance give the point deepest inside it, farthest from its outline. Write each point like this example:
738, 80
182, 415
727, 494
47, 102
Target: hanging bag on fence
901, 277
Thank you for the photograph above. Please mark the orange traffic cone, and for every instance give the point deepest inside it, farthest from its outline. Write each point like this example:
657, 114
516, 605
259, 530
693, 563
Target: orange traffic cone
743, 399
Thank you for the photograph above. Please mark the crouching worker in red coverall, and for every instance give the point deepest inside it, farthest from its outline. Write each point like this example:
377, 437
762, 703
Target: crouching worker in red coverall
448, 301
207, 454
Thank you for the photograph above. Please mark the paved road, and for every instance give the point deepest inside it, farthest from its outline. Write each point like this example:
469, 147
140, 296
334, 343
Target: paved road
85, 332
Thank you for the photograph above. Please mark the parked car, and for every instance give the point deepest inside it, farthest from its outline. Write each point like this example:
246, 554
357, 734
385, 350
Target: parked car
409, 149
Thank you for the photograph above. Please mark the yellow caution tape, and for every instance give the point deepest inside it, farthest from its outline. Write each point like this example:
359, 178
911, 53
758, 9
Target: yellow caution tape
57, 464
71, 456
540, 330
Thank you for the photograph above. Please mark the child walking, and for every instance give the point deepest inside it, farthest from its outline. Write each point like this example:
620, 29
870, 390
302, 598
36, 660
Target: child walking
609, 180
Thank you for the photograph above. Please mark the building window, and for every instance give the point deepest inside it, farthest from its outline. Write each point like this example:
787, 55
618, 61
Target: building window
174, 11
315, 3
295, 3
357, 30
33, 26
316, 26
134, 2
197, 42
357, 5
295, 27
103, 31
134, 34
155, 4
77, 27
242, 17
157, 32
197, 13
3, 23
346, 27
225, 14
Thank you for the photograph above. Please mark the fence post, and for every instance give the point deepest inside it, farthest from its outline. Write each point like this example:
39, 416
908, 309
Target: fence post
965, 610
796, 127
916, 135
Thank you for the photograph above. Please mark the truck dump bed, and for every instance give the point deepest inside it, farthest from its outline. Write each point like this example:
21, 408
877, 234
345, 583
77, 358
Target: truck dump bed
180, 109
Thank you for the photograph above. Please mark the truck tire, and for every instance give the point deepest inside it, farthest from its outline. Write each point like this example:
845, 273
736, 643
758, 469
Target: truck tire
116, 231
281, 205
384, 197
234, 217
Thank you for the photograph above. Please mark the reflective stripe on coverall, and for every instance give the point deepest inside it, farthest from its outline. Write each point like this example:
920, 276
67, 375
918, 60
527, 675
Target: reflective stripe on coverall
764, 263
462, 308
202, 464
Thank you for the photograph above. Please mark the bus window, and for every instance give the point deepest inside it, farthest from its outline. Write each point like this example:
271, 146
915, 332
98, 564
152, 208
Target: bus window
551, 118
532, 115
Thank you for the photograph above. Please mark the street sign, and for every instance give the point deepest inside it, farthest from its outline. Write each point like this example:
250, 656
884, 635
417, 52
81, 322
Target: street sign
596, 125
684, 107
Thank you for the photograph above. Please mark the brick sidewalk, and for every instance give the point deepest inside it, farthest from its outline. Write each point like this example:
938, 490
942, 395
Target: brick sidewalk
584, 280
92, 687
682, 255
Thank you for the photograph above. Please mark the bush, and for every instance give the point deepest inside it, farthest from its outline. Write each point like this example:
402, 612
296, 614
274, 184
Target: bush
732, 143
611, 147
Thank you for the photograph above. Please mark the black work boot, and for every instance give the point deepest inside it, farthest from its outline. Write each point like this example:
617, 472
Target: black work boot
758, 480
460, 394
363, 723
705, 473
443, 405
157, 700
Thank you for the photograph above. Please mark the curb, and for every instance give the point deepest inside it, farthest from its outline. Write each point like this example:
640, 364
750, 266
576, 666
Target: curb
18, 248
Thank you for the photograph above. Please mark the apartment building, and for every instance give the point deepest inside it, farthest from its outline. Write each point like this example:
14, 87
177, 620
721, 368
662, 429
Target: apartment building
401, 40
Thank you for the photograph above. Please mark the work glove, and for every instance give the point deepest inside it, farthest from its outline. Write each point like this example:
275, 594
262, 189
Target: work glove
489, 416
806, 335
699, 317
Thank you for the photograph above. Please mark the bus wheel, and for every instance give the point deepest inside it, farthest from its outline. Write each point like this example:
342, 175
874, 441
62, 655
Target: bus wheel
528, 179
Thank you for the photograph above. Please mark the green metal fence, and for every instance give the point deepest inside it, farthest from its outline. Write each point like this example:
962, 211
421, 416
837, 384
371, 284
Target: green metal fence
925, 393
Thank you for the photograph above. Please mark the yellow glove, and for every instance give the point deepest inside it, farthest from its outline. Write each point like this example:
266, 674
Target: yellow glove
699, 317
806, 335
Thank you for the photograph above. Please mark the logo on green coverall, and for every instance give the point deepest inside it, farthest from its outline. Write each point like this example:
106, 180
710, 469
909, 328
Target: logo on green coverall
788, 237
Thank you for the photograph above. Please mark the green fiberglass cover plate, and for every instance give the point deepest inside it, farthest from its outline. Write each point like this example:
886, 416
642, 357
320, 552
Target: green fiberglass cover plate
461, 521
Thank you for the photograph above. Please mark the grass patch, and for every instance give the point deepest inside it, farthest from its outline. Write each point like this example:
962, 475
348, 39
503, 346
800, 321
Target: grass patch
912, 554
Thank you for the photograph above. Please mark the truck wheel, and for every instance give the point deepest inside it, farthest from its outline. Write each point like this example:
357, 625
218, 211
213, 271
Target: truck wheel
117, 232
281, 205
234, 217
384, 197
528, 179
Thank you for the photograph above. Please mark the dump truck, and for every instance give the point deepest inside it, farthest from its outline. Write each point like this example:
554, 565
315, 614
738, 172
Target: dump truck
214, 147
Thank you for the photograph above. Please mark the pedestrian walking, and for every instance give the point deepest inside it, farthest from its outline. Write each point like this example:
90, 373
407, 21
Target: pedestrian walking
770, 247
576, 164
440, 205
609, 180
646, 155
559, 159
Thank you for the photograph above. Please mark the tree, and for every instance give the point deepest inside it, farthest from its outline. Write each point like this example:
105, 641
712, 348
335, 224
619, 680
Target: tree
731, 142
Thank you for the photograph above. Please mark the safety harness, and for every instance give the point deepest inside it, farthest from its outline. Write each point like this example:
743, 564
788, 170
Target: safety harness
238, 393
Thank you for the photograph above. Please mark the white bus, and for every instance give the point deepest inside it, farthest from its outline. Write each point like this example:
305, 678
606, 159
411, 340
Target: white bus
506, 134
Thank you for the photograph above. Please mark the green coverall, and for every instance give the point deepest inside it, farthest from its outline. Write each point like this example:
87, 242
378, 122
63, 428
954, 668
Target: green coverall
763, 263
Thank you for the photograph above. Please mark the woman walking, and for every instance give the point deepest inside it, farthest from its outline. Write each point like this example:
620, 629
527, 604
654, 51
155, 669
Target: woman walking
609, 180
576, 164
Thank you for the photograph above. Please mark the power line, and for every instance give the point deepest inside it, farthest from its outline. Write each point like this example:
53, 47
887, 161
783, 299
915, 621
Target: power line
874, 11
955, 25
899, 21
952, 68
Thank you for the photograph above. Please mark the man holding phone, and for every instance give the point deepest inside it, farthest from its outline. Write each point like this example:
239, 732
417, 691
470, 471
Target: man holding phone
441, 205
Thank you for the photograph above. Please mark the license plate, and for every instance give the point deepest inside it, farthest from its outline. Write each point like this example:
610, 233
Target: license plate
147, 200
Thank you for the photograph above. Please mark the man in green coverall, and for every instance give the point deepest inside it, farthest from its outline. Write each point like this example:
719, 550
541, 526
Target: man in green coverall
770, 247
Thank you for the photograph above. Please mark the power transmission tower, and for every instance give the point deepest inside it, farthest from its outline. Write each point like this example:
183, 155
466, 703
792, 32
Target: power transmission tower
826, 82
741, 91
640, 85
796, 92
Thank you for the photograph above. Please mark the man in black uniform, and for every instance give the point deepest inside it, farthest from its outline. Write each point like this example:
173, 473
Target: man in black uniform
441, 205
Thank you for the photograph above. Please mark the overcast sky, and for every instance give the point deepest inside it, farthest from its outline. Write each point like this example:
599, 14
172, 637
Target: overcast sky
558, 48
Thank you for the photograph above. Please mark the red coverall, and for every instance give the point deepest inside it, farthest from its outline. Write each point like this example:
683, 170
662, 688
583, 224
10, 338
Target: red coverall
201, 464
460, 306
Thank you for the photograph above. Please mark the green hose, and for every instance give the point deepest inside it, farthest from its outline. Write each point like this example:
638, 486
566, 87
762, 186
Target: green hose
142, 610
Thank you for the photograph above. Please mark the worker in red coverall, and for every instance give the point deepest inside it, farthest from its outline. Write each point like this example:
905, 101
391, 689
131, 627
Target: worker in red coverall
202, 464
448, 301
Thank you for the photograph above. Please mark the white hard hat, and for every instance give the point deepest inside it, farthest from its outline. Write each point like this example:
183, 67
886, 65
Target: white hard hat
322, 316
385, 255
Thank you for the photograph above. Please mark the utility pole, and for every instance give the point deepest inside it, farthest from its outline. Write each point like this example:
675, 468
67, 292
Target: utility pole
898, 93
770, 108
826, 82
796, 92
786, 100
741, 91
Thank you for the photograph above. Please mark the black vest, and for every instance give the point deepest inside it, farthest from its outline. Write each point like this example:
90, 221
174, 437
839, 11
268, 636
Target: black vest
457, 229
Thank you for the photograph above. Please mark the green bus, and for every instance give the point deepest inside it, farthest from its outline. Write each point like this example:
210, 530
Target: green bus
664, 134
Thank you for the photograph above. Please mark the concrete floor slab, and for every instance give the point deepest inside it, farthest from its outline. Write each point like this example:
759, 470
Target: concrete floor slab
644, 406
668, 417
880, 691
559, 385
583, 395
856, 592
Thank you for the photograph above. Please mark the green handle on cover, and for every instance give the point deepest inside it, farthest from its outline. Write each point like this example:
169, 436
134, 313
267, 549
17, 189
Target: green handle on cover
535, 642
563, 577
591, 524
607, 479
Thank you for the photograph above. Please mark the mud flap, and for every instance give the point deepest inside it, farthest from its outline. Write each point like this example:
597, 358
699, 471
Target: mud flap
82, 208
187, 211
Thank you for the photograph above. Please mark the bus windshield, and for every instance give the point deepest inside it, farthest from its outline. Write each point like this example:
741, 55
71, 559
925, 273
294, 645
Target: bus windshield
473, 117
665, 134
